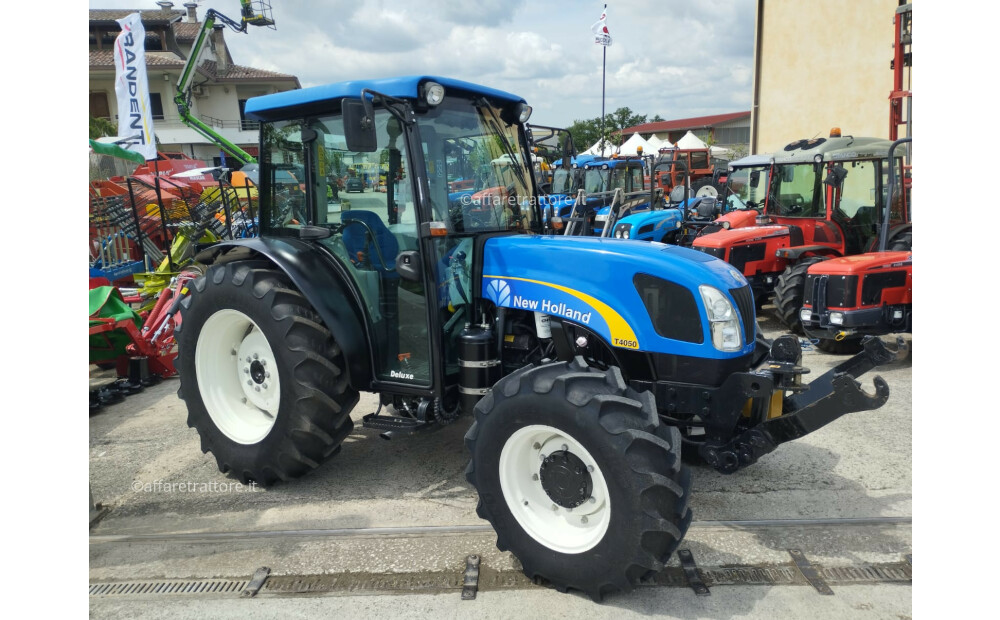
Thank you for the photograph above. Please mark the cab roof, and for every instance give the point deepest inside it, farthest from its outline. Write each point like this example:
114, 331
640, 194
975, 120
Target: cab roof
270, 107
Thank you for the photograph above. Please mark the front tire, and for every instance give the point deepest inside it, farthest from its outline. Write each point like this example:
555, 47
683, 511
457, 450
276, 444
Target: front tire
261, 375
578, 478
789, 292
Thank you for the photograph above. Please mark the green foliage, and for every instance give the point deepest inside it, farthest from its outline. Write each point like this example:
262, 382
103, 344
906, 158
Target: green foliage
101, 127
587, 132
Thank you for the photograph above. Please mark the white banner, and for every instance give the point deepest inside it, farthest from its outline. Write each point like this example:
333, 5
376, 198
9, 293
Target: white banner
600, 29
135, 116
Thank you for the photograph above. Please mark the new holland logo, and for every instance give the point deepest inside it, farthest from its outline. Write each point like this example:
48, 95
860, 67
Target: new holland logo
499, 292
395, 374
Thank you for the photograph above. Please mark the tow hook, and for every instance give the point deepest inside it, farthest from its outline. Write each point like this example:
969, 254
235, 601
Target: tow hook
828, 397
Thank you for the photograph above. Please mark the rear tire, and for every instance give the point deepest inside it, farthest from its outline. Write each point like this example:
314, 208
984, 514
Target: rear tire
789, 291
707, 182
246, 323
607, 506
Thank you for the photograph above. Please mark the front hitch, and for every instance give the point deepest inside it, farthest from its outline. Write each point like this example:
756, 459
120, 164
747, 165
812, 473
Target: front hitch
811, 407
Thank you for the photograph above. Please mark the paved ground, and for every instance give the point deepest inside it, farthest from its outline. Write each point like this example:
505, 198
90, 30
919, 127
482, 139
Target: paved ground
147, 469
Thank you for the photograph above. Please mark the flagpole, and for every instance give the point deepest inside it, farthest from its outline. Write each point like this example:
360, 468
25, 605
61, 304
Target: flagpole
604, 67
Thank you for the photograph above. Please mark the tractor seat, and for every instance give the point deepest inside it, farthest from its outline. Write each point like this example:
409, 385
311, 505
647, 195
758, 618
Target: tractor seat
359, 228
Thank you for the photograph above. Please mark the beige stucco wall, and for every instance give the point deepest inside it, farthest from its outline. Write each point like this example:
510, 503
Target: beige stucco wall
823, 65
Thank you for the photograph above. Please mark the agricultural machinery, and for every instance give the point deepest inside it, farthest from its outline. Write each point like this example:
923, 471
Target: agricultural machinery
847, 298
823, 200
584, 383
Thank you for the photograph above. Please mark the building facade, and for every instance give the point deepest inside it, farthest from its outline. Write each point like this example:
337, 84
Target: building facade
820, 65
220, 89
723, 130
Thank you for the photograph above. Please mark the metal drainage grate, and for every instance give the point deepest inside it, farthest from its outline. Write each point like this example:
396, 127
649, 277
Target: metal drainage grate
493, 580
193, 586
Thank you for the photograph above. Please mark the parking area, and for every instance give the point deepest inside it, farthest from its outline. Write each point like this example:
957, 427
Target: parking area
402, 508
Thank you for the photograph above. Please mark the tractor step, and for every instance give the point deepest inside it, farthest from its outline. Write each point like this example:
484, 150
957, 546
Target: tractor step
392, 425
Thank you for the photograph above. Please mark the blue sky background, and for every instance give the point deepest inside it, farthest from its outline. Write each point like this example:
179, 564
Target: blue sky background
675, 58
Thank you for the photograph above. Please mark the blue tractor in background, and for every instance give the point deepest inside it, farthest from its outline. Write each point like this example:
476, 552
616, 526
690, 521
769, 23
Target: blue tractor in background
588, 363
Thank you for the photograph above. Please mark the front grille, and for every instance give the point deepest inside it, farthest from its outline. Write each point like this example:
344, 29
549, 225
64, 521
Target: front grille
840, 291
745, 306
716, 252
743, 254
874, 284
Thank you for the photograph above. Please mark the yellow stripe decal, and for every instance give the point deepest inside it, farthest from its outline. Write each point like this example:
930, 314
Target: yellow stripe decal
621, 333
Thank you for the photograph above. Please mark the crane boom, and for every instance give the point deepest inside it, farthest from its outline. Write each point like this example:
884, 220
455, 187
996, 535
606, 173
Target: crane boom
252, 13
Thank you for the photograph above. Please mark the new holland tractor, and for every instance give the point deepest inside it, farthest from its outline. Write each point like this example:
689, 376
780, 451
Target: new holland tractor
823, 199
585, 363
850, 297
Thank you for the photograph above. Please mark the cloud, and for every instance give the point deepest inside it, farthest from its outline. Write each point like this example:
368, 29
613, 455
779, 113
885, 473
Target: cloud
676, 59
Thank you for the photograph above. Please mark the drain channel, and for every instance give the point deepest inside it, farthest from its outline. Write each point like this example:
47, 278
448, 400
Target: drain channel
489, 579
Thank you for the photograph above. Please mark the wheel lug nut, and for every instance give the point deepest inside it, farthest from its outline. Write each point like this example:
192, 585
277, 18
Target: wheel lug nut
536, 446
592, 500
534, 476
249, 382
256, 388
590, 468
246, 370
263, 362
255, 356
264, 385
541, 456
583, 519
565, 448
525, 502
249, 359
267, 375
243, 400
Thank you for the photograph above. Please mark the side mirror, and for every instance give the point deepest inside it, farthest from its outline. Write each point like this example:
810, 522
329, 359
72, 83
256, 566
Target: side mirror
754, 178
359, 127
836, 176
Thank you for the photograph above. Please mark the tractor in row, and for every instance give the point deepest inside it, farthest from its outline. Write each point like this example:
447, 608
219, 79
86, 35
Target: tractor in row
586, 364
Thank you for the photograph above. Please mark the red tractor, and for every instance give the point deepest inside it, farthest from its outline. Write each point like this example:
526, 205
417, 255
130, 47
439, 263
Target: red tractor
847, 298
698, 166
823, 200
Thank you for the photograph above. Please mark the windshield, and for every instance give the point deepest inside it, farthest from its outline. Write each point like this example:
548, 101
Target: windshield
795, 191
748, 187
476, 170
564, 181
595, 180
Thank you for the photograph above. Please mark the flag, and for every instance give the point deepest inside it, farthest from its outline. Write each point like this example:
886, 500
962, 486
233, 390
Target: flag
600, 29
135, 116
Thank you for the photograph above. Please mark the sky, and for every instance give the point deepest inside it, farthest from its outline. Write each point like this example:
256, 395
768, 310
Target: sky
675, 58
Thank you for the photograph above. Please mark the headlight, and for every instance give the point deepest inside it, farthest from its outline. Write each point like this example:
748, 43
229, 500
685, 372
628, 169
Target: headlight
433, 93
805, 315
625, 233
618, 233
836, 318
722, 318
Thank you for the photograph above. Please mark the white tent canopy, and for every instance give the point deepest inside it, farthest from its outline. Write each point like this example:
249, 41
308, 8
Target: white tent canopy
655, 144
690, 141
596, 148
631, 146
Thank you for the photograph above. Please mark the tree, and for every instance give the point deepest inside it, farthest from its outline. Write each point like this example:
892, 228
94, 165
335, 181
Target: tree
101, 127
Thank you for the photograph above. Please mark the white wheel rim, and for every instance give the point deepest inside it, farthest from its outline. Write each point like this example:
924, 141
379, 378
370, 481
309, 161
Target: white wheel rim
707, 190
566, 530
237, 376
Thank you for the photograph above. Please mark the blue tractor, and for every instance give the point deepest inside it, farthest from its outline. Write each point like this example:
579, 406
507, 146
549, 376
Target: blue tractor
587, 363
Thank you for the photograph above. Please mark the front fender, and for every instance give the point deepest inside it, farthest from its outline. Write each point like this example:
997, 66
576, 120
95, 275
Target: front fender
321, 280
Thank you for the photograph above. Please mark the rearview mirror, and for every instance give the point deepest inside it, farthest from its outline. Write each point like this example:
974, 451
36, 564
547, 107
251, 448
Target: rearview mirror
359, 127
754, 178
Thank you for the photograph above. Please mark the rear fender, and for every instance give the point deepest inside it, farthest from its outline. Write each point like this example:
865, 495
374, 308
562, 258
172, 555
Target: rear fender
321, 281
